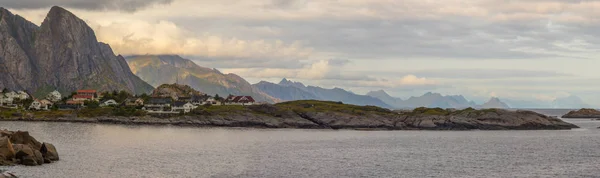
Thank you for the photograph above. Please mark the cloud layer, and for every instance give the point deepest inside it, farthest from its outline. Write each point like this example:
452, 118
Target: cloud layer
105, 5
518, 49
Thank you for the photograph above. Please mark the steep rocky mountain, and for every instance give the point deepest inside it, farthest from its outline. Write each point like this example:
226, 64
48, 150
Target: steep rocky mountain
427, 100
288, 90
167, 69
494, 103
63, 54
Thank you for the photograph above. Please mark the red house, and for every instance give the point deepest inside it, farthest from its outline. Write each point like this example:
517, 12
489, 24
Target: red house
83, 95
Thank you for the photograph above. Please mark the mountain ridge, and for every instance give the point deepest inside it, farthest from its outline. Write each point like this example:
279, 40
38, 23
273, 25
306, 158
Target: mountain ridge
161, 69
63, 53
288, 90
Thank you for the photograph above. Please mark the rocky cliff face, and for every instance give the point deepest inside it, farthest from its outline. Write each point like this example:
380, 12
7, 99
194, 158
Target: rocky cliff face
167, 69
63, 53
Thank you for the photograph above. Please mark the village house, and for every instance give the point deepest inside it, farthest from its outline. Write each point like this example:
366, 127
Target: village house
85, 95
240, 100
22, 95
212, 101
180, 106
54, 96
5, 101
109, 102
157, 104
133, 102
11, 94
199, 100
40, 105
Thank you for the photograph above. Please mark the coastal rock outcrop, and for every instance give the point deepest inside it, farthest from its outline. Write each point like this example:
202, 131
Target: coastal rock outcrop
21, 148
583, 113
314, 114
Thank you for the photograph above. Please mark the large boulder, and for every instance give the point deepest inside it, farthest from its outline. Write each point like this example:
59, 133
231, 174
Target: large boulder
23, 137
27, 155
7, 174
49, 152
7, 152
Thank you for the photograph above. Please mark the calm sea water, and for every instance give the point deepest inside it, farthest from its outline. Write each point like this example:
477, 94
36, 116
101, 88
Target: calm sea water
96, 150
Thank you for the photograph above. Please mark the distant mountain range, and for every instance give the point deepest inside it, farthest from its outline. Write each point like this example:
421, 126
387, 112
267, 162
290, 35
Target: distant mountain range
63, 53
287, 90
569, 102
435, 100
169, 69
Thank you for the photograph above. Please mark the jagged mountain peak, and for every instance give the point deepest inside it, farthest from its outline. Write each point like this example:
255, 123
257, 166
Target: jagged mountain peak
63, 53
431, 94
286, 82
379, 94
494, 102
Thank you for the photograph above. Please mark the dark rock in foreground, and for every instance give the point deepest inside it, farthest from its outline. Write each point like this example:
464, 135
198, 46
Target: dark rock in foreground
583, 113
7, 174
21, 148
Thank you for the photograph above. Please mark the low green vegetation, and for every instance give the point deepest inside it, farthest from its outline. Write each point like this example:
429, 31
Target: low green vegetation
7, 113
219, 110
95, 112
53, 113
330, 106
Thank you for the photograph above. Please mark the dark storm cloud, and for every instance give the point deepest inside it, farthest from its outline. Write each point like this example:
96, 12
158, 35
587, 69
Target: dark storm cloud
119, 5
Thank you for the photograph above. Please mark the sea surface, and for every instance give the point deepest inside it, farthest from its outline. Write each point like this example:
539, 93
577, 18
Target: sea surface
98, 150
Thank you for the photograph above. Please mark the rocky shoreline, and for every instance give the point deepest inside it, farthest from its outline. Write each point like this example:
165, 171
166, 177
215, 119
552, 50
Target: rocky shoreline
492, 119
583, 114
18, 147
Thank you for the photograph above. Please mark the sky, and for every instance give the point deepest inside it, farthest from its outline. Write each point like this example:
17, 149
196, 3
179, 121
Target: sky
536, 50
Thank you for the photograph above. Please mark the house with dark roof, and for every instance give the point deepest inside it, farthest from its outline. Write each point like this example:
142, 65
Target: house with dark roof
133, 102
199, 100
158, 104
240, 100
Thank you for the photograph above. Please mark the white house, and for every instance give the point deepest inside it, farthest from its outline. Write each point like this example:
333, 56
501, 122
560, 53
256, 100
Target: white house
54, 96
212, 101
182, 106
109, 102
40, 105
22, 95
4, 101
11, 95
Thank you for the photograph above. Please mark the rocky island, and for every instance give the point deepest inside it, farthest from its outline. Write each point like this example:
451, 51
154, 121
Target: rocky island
18, 147
583, 113
312, 114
